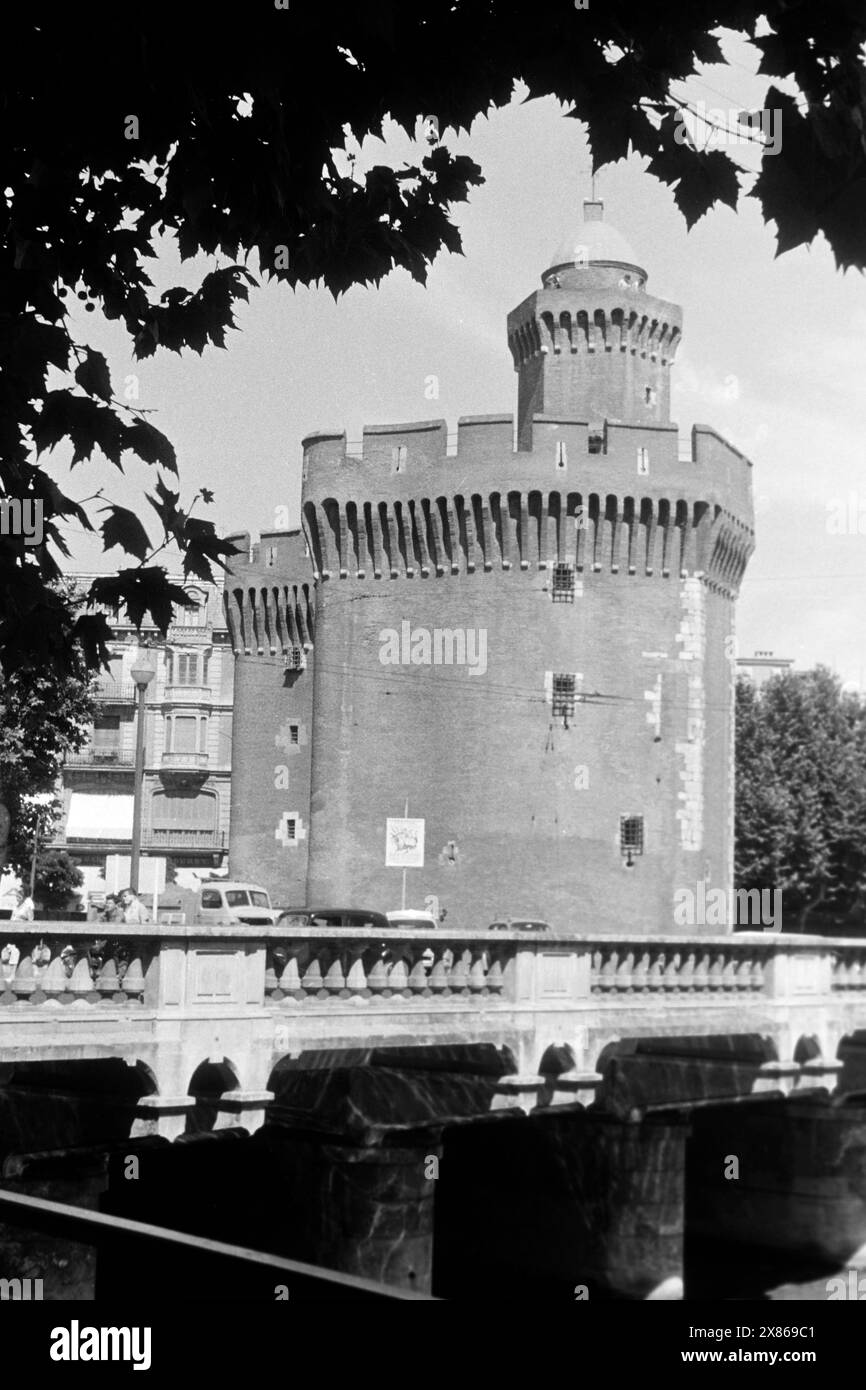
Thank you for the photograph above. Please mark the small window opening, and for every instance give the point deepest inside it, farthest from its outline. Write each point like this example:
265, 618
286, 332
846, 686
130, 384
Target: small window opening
562, 586
563, 696
630, 837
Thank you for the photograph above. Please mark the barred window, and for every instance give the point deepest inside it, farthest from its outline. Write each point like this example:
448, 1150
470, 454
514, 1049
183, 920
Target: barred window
290, 826
563, 695
596, 443
562, 587
631, 835
293, 733
294, 659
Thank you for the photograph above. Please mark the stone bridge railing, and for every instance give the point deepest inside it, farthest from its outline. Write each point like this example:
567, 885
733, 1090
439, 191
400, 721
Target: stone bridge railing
169, 997
65, 963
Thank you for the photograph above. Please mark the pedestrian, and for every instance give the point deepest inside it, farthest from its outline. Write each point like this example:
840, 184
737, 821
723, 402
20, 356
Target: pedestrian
9, 958
134, 910
25, 908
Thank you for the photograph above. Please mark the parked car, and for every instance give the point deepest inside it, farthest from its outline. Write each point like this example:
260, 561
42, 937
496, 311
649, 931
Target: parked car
344, 918
522, 925
225, 902
410, 917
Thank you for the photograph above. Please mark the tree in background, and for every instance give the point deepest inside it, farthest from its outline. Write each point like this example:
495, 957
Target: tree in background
57, 877
801, 796
44, 716
230, 135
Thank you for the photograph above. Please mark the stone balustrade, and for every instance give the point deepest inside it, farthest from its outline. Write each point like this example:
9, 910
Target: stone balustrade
61, 963
427, 968
64, 962
630, 967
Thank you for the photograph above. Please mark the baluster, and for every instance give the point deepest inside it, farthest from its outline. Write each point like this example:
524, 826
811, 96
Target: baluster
439, 981
291, 983
687, 973
655, 974
495, 976
758, 972
728, 972
81, 982
356, 977
24, 983
715, 974
477, 973
398, 977
700, 979
55, 979
460, 973
107, 983
311, 980
607, 974
641, 972
420, 969
377, 978
743, 974
334, 981
671, 974
624, 976
133, 980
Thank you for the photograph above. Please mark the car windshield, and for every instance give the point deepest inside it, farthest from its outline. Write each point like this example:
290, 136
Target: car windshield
237, 897
398, 921
260, 899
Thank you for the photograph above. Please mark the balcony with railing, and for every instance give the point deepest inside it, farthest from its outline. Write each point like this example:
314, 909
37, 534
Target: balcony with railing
185, 762
107, 759
184, 837
114, 692
188, 694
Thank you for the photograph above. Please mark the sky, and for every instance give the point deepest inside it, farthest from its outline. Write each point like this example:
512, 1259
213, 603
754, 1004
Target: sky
773, 357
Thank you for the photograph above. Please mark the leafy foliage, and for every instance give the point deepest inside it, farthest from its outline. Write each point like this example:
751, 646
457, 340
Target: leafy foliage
57, 877
801, 795
224, 136
44, 715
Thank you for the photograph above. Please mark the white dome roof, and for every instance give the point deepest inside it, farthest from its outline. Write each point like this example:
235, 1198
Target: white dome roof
602, 242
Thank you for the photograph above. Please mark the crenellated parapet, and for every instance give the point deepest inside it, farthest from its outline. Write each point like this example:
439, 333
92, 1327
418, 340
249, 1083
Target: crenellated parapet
622, 501
269, 597
550, 322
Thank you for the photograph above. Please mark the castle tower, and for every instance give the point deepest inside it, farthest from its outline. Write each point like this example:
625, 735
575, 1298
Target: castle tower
268, 597
591, 343
531, 646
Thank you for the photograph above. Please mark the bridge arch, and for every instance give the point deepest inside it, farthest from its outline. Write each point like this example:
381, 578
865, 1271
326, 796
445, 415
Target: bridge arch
210, 1080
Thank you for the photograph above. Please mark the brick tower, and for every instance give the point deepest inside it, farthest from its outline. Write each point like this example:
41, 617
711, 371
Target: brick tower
270, 617
528, 641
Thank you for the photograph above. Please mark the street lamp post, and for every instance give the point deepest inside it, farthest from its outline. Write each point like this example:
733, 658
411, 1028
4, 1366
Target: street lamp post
142, 675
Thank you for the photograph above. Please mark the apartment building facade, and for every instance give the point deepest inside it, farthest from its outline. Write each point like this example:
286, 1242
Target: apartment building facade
187, 754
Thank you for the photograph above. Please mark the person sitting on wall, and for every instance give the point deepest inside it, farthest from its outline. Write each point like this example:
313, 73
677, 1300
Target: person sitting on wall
134, 910
24, 909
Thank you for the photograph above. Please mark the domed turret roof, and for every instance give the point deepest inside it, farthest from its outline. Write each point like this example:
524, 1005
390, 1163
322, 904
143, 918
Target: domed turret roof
594, 240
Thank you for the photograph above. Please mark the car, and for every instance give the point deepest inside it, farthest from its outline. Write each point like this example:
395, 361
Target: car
410, 917
226, 902
522, 925
344, 918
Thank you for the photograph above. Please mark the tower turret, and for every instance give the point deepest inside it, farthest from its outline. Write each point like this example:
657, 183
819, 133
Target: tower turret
591, 344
